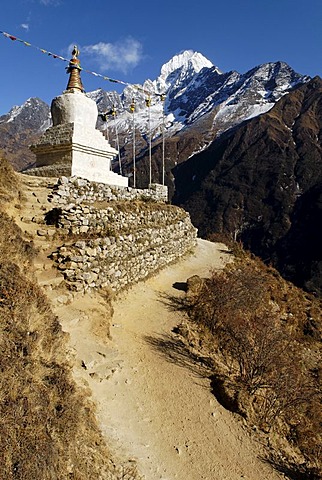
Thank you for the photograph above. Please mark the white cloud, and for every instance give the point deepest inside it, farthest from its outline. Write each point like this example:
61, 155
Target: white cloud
54, 3
121, 56
25, 26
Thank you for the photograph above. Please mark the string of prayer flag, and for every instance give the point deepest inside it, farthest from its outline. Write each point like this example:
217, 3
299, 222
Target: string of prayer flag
54, 55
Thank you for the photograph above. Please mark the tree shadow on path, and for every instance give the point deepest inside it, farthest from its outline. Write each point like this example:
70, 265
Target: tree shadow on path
174, 303
175, 351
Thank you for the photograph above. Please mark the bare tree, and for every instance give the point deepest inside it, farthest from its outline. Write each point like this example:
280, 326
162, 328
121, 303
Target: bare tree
256, 346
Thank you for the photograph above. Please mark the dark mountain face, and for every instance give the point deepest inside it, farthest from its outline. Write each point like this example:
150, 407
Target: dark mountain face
261, 184
298, 254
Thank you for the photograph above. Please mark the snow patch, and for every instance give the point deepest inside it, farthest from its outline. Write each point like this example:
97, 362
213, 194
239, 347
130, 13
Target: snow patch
14, 112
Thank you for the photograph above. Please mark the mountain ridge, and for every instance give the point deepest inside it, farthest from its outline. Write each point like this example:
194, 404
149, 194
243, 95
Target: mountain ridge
193, 88
260, 183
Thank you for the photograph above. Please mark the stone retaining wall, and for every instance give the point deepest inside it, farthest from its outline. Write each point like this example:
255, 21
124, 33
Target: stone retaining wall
79, 190
118, 218
118, 242
120, 260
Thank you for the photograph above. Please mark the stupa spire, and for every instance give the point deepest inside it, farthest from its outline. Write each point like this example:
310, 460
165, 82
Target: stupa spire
74, 68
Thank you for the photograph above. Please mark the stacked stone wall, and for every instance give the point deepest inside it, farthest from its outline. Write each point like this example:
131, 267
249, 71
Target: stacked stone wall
58, 135
120, 235
121, 260
78, 190
53, 147
118, 217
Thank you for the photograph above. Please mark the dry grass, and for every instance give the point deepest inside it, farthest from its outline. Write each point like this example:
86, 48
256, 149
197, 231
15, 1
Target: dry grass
47, 429
263, 337
47, 426
9, 181
12, 243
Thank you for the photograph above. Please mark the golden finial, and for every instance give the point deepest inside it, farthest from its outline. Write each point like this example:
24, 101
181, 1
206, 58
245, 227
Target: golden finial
75, 52
74, 68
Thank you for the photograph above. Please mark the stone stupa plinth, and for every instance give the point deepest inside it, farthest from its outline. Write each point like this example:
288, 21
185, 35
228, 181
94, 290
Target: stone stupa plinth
73, 146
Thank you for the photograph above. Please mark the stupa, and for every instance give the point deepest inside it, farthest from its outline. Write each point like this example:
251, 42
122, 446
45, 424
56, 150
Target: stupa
73, 146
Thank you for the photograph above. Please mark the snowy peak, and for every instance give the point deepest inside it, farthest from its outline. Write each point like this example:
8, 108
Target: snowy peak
193, 88
180, 70
188, 60
277, 75
105, 100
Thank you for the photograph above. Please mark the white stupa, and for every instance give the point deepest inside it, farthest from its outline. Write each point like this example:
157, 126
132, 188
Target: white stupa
73, 146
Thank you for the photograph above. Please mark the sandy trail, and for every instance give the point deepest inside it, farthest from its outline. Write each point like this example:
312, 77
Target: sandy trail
153, 402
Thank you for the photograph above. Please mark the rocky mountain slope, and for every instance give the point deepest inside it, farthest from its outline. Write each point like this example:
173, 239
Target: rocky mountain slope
197, 95
261, 184
21, 127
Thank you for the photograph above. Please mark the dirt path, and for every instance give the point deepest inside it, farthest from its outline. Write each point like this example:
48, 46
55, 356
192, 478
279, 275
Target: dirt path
153, 402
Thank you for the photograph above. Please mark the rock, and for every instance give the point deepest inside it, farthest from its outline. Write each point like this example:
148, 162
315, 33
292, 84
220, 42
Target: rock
76, 258
194, 285
38, 219
63, 299
80, 244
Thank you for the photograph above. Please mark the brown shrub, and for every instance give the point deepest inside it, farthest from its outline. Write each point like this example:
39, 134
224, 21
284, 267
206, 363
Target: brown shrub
265, 358
13, 246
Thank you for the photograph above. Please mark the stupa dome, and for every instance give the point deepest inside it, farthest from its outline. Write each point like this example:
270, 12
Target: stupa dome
74, 107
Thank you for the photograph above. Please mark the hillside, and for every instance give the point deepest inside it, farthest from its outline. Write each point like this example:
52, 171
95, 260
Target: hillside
48, 425
20, 128
260, 338
261, 183
118, 368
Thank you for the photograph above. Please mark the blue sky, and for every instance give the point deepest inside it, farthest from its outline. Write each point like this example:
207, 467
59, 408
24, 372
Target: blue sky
131, 40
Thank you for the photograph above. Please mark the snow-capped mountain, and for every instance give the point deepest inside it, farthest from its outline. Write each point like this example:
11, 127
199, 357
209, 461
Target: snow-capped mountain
34, 114
21, 127
176, 75
193, 87
190, 91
